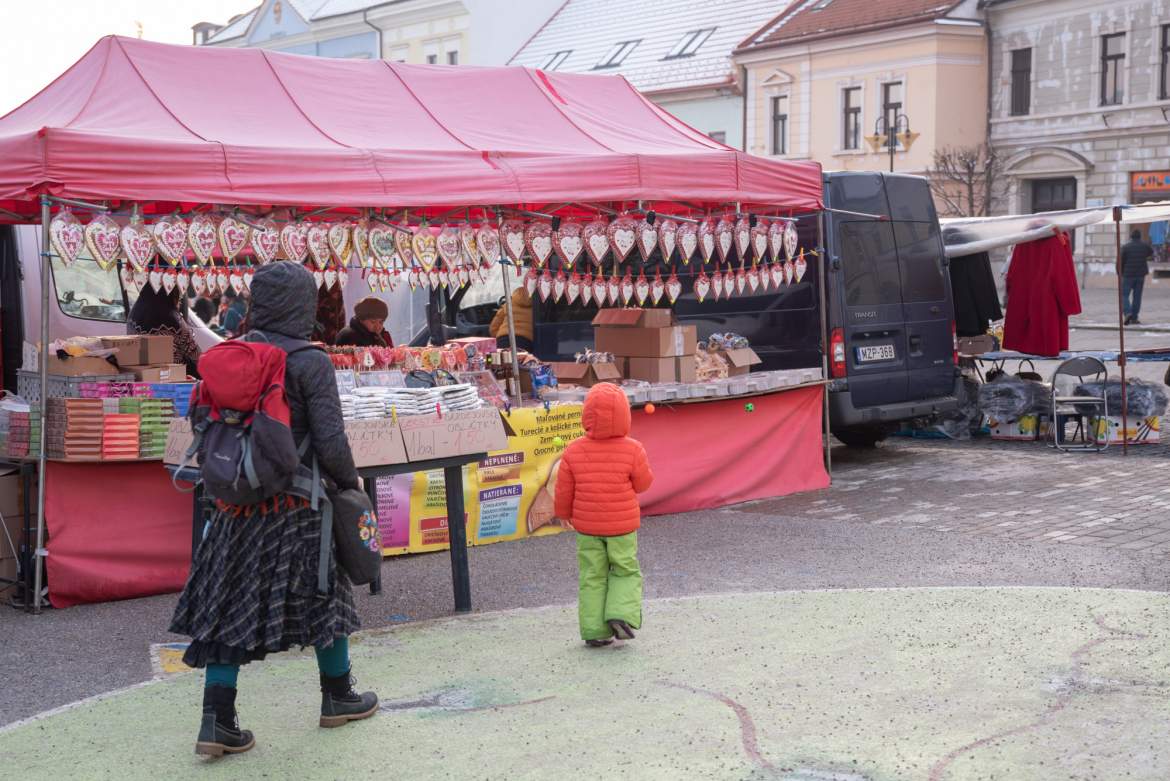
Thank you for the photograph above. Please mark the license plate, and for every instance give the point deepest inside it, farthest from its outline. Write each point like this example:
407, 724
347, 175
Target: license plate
875, 352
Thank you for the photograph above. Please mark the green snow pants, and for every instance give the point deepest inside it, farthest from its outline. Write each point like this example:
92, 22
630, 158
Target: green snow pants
610, 584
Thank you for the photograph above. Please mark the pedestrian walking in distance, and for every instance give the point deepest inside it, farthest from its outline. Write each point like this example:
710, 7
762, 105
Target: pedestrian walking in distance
258, 584
1135, 265
599, 478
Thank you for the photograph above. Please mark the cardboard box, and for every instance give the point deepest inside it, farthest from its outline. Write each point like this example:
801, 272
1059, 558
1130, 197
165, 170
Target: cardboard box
632, 317
1024, 429
170, 372
676, 369
81, 367
157, 350
1141, 431
129, 349
740, 361
646, 342
13, 519
585, 374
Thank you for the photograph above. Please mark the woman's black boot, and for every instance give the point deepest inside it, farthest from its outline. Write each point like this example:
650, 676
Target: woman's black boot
340, 703
220, 732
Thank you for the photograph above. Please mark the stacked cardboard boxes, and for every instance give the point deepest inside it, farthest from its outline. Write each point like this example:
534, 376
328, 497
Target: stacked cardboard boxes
119, 437
649, 344
23, 434
149, 358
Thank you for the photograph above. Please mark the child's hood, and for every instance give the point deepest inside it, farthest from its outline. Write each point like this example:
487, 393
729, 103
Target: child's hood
606, 413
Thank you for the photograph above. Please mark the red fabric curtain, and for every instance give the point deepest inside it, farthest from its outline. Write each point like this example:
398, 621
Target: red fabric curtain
717, 453
116, 531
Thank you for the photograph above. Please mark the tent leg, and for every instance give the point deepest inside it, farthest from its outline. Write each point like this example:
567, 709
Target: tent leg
822, 258
39, 551
1121, 337
515, 385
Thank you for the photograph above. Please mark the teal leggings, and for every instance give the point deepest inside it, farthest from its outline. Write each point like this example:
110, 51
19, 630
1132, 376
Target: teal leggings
332, 661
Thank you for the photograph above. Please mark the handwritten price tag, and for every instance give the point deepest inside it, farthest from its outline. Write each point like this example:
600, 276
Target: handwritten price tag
375, 442
179, 438
454, 434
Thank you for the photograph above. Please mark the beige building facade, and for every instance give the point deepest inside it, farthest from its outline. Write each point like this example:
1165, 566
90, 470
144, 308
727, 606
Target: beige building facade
818, 95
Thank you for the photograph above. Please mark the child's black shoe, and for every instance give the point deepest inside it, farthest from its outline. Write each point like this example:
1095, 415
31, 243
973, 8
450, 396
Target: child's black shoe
621, 630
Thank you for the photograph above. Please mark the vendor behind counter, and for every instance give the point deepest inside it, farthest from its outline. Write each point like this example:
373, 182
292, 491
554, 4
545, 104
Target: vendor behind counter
367, 327
521, 317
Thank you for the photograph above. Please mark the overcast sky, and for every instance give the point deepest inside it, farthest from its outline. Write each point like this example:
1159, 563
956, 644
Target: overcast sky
41, 38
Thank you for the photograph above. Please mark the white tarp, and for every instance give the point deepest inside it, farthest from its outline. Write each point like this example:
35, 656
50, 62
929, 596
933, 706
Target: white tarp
968, 235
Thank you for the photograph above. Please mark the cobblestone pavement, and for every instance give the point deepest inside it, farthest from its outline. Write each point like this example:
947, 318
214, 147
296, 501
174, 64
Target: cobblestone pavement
1017, 490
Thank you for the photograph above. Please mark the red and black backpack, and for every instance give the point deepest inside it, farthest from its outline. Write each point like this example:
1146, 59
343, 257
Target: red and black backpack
241, 421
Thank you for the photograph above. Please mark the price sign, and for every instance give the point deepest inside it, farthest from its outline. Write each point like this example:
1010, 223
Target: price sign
375, 442
453, 434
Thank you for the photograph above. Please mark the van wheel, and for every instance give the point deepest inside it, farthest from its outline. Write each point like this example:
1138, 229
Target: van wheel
864, 437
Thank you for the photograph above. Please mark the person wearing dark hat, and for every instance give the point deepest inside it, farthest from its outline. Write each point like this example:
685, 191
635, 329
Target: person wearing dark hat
367, 327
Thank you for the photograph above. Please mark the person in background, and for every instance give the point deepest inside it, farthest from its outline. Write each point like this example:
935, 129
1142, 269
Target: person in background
1135, 265
521, 316
156, 313
367, 327
1158, 239
330, 314
252, 589
598, 482
235, 311
204, 307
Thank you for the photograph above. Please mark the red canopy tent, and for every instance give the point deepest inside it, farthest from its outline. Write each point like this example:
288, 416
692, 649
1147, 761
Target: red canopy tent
150, 122
165, 127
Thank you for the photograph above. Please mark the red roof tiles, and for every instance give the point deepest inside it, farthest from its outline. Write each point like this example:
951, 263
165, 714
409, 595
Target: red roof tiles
808, 19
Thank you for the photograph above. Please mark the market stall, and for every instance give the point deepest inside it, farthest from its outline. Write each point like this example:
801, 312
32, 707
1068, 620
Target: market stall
445, 177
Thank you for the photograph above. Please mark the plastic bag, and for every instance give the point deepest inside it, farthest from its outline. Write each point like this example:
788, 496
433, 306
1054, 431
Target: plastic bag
1009, 398
1143, 399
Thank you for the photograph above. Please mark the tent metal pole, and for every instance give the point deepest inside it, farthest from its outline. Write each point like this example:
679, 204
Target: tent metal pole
504, 263
822, 258
46, 259
1121, 337
97, 207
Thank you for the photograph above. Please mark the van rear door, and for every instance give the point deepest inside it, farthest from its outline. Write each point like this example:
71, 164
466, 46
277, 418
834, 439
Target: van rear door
871, 298
926, 299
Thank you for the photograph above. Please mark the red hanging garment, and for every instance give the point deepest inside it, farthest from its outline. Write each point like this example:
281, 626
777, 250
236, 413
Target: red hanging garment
1042, 294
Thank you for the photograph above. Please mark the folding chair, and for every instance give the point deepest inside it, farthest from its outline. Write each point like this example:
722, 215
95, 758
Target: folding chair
1070, 406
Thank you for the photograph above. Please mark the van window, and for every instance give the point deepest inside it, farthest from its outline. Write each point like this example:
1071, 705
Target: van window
919, 254
858, 192
870, 260
86, 291
910, 199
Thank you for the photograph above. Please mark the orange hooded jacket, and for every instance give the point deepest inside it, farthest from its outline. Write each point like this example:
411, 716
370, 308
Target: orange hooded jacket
602, 473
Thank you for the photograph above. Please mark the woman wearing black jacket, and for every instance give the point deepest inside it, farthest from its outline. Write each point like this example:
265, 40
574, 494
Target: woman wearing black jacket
252, 590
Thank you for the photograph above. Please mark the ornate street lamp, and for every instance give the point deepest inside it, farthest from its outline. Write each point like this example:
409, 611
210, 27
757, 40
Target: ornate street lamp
890, 135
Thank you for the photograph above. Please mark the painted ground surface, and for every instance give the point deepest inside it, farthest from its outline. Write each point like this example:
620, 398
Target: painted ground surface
925, 684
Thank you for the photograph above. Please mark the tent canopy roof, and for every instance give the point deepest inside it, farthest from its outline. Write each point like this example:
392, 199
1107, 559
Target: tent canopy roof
162, 124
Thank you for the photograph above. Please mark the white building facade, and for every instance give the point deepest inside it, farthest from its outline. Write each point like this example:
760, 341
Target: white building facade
1080, 107
442, 32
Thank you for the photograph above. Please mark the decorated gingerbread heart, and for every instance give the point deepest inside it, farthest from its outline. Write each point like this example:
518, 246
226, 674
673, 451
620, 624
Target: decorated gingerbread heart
573, 288
469, 249
531, 280
294, 241
657, 288
137, 244
382, 245
538, 238
569, 241
600, 289
265, 241
647, 239
724, 239
596, 240
449, 246
626, 290
233, 237
613, 289
642, 285
717, 284
673, 288
319, 244
687, 238
67, 236
702, 286
623, 235
359, 237
169, 280
667, 238
103, 240
560, 282
199, 281
801, 266
487, 242
201, 238
791, 240
587, 288
545, 285
339, 243
707, 240
512, 239
776, 240
425, 247
741, 281
729, 284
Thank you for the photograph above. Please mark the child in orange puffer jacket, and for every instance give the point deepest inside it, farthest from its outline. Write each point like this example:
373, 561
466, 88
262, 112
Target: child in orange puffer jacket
597, 484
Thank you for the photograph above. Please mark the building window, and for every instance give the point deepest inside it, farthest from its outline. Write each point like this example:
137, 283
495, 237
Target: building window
891, 107
1112, 62
432, 59
453, 57
556, 60
851, 108
718, 135
1164, 91
1055, 195
1021, 82
780, 125
690, 43
617, 54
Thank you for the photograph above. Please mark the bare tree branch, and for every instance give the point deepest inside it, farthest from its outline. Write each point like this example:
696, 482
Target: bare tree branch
966, 181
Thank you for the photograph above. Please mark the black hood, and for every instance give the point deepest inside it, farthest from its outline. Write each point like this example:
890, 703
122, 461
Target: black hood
284, 300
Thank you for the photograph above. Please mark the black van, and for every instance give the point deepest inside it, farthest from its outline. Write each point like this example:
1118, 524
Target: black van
891, 327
